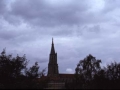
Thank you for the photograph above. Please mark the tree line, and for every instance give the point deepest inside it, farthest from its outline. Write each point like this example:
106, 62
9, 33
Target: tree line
90, 75
14, 74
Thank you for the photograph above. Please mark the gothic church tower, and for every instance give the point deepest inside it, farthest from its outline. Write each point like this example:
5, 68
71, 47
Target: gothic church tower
52, 65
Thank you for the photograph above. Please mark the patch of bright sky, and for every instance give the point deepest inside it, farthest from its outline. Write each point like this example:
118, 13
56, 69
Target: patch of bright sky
69, 70
97, 5
58, 2
8, 3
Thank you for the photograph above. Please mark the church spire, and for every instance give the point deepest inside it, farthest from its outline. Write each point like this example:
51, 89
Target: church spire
52, 65
52, 48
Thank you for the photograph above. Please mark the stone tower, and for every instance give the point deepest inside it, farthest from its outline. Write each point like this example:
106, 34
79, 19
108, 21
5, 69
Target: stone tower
52, 65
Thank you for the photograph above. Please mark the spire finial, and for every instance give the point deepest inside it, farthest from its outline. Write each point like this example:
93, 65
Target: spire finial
52, 40
52, 48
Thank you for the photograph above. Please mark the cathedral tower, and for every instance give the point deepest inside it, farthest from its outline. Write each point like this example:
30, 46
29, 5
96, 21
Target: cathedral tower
52, 65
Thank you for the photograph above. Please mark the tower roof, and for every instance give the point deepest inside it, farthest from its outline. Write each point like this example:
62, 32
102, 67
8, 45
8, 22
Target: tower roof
52, 48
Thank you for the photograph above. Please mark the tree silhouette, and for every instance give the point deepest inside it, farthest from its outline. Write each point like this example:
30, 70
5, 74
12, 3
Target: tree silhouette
15, 74
86, 69
11, 68
113, 75
33, 71
89, 74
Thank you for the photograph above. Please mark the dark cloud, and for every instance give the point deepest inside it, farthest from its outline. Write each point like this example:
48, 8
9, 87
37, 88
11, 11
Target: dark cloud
2, 7
7, 35
95, 28
41, 13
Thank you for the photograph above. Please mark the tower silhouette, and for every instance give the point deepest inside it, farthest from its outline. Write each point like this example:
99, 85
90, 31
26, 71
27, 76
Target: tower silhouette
52, 65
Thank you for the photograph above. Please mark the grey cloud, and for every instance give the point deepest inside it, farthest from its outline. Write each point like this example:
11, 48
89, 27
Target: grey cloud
90, 28
77, 31
2, 7
40, 13
39, 60
16, 34
95, 28
6, 35
111, 5
12, 19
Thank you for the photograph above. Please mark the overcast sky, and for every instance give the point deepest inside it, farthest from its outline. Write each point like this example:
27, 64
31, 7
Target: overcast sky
79, 28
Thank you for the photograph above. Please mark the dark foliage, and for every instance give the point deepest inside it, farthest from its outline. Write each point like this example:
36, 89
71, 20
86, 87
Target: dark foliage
90, 75
15, 74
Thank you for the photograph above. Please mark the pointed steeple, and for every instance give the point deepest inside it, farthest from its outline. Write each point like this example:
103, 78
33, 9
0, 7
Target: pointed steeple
52, 65
52, 48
